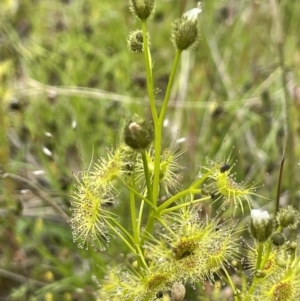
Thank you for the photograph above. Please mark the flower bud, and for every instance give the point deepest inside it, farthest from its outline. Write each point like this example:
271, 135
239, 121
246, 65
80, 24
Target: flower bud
261, 226
281, 261
135, 41
142, 8
288, 217
178, 291
260, 274
278, 239
138, 133
185, 30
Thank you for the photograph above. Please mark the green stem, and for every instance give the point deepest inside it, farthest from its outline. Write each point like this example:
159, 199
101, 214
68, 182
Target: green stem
140, 218
266, 255
203, 178
289, 105
165, 225
158, 128
153, 195
148, 63
133, 217
147, 176
129, 245
173, 208
170, 85
259, 256
236, 298
117, 224
176, 197
141, 258
136, 192
259, 263
151, 217
251, 289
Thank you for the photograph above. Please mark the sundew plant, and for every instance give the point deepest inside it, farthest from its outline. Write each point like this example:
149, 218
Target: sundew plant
176, 247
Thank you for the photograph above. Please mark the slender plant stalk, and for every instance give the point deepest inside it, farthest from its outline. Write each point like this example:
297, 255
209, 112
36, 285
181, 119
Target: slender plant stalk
147, 176
127, 243
170, 85
133, 217
236, 298
257, 267
148, 63
129, 186
279, 187
153, 195
173, 208
289, 107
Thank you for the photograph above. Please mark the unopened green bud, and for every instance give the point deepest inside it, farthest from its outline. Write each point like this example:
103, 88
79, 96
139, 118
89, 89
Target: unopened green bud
138, 133
292, 245
278, 239
142, 8
281, 261
261, 226
288, 217
260, 274
178, 291
185, 30
135, 41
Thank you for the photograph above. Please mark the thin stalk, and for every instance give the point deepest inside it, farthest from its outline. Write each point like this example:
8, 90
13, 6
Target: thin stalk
158, 128
133, 216
279, 187
236, 298
136, 192
121, 236
176, 197
173, 208
289, 107
202, 179
153, 195
259, 256
140, 218
266, 255
148, 63
149, 225
157, 152
165, 225
169, 87
259, 264
251, 289
141, 258
147, 176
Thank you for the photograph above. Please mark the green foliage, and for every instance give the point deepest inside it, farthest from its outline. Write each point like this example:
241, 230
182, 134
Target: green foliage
67, 86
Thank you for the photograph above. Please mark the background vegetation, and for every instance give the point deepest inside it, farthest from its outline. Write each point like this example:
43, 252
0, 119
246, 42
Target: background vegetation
67, 85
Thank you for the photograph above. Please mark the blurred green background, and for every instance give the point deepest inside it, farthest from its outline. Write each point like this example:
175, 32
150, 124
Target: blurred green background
67, 85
